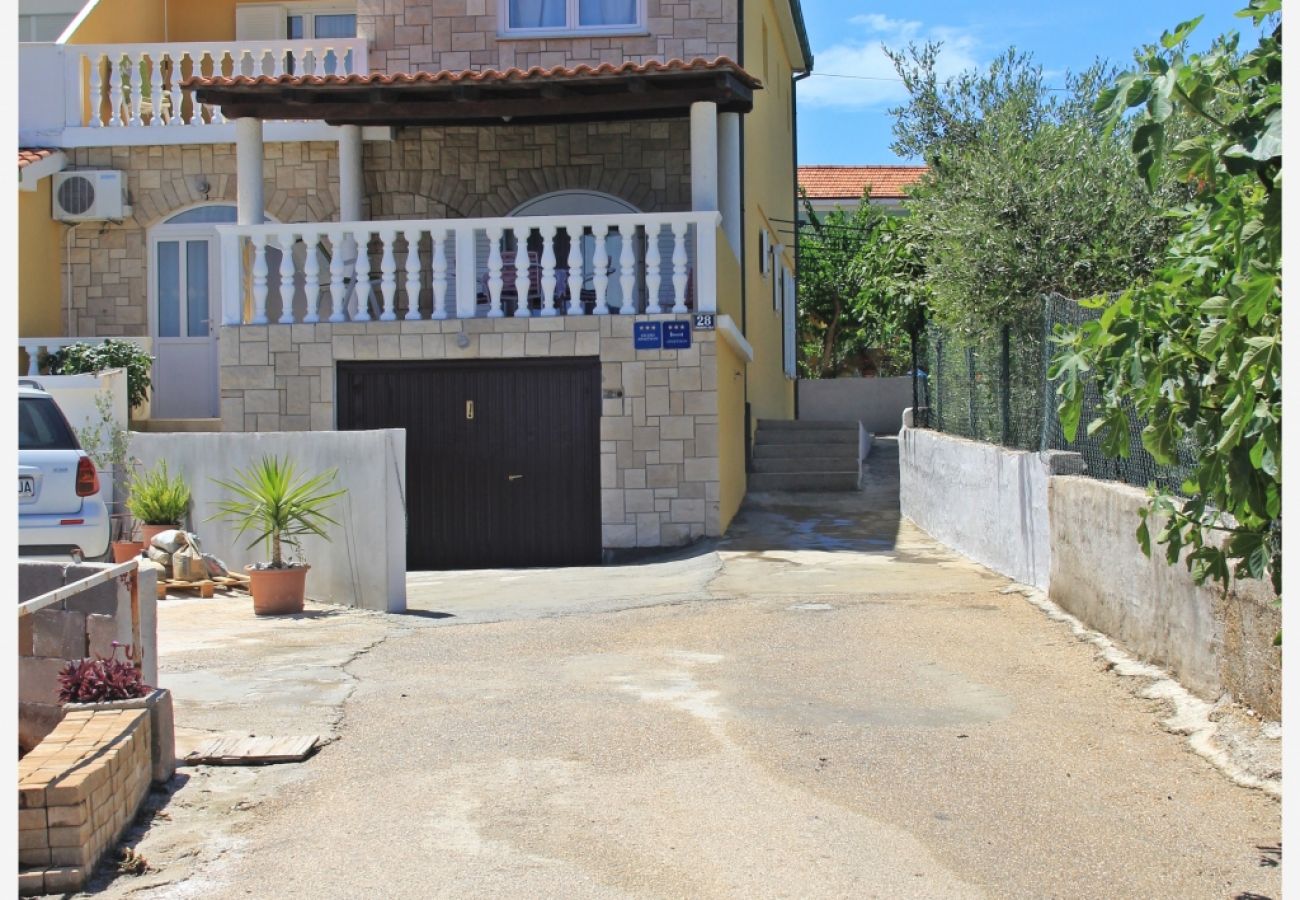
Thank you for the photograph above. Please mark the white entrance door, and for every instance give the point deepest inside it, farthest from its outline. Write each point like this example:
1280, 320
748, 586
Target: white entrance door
184, 313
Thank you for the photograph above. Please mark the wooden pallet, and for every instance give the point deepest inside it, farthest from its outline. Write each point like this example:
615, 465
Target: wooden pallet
206, 588
252, 751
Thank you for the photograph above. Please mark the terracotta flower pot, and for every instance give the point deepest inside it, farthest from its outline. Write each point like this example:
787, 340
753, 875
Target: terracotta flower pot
277, 592
124, 551
148, 532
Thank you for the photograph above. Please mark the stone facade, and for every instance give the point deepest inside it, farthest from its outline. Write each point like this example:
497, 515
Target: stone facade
659, 423
430, 35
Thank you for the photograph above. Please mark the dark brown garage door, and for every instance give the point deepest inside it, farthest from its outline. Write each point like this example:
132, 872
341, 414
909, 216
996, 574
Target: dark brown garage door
502, 458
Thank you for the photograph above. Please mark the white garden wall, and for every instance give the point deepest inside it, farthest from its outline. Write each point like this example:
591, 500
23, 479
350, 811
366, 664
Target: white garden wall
877, 403
76, 396
364, 565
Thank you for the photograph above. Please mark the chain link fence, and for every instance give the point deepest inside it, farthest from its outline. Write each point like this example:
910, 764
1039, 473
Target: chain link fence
994, 387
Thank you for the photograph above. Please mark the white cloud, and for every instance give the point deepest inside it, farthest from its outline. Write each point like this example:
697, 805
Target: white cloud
875, 83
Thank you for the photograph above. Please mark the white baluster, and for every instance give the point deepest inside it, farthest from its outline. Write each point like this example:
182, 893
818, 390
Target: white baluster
438, 282
286, 278
177, 97
214, 112
311, 276
575, 270
309, 68
277, 61
388, 275
495, 281
548, 270
413, 273
361, 277
523, 273
600, 266
196, 108
627, 272
653, 277
156, 88
679, 267
116, 77
338, 271
134, 95
33, 359
97, 90
259, 280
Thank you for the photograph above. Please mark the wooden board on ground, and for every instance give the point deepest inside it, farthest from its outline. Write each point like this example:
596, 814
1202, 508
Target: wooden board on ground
206, 588
252, 751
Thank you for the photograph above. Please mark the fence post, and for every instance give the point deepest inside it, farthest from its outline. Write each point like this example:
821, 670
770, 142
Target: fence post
916, 413
970, 393
938, 382
1006, 385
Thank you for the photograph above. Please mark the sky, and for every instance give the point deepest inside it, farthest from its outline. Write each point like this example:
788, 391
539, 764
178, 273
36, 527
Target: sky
846, 120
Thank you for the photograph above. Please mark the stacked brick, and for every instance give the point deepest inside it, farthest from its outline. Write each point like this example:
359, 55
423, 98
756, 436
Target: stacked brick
78, 790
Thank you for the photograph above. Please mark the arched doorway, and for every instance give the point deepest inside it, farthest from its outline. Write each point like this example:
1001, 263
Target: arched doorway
185, 310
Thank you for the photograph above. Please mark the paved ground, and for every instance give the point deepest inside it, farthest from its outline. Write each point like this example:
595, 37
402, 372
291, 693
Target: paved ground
828, 704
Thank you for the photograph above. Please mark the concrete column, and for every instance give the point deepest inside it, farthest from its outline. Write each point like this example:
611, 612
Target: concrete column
729, 177
249, 190
704, 156
350, 173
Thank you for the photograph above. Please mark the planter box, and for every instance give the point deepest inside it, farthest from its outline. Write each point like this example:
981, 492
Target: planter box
162, 745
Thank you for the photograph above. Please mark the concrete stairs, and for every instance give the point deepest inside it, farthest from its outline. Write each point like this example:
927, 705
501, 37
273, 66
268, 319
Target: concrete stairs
806, 456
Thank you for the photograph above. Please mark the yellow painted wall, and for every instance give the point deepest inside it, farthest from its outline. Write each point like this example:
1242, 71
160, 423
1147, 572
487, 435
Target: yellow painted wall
731, 390
40, 277
123, 22
769, 196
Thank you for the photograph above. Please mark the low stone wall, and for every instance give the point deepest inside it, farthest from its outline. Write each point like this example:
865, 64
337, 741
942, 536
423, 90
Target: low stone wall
364, 563
78, 790
85, 625
1031, 517
659, 418
877, 403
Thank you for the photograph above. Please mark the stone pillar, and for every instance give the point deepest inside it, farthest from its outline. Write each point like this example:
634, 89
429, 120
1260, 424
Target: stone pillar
249, 189
704, 156
350, 173
729, 177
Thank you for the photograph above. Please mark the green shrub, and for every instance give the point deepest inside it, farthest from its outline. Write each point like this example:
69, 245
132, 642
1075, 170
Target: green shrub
157, 498
79, 359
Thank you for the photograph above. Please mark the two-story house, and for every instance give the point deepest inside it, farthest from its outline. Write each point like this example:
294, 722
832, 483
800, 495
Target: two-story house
533, 233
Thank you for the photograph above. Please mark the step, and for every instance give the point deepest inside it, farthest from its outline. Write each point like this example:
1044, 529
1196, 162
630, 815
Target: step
803, 481
807, 436
820, 449
804, 463
806, 424
162, 426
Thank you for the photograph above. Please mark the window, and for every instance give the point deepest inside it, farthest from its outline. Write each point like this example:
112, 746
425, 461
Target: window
321, 25
537, 17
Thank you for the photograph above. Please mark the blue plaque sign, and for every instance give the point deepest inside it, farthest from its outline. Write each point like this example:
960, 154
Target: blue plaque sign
647, 335
677, 335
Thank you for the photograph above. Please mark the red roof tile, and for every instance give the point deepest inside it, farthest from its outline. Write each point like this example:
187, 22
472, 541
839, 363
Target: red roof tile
848, 182
469, 76
29, 155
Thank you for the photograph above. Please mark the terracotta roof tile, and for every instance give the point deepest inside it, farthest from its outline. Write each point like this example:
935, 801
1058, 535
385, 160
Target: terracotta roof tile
848, 182
29, 155
470, 76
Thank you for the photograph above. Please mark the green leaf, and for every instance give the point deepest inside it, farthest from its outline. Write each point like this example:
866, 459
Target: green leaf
1171, 39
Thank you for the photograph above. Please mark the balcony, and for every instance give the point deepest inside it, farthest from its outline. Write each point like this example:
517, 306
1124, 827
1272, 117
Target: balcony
469, 268
89, 95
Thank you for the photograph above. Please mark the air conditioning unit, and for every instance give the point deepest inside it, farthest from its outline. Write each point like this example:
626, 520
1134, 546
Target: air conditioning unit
89, 196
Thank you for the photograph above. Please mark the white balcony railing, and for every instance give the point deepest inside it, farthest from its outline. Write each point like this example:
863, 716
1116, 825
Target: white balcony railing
467, 268
139, 85
38, 348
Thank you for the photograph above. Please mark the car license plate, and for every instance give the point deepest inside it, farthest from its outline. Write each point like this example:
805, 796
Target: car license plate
26, 488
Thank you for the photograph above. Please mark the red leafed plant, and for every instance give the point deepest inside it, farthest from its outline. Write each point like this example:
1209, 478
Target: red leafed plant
101, 680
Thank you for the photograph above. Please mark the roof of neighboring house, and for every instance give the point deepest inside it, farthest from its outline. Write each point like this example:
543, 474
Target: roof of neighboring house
29, 155
512, 75
848, 182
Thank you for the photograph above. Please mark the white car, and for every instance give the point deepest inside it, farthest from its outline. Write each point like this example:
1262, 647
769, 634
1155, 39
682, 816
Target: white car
61, 512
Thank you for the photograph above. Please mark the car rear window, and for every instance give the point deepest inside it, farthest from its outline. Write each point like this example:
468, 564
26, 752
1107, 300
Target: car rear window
42, 427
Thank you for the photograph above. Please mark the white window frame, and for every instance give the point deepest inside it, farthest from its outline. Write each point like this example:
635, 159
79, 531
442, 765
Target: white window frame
308, 11
571, 27
789, 312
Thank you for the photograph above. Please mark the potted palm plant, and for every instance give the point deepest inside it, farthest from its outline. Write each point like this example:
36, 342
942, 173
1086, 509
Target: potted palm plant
279, 507
158, 501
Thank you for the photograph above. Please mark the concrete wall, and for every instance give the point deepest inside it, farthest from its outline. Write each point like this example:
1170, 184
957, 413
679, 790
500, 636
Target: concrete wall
81, 626
1210, 641
984, 501
877, 403
1033, 518
364, 565
76, 396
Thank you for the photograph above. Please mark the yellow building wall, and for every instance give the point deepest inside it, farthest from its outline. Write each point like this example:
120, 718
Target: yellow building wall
40, 277
731, 390
769, 204
123, 22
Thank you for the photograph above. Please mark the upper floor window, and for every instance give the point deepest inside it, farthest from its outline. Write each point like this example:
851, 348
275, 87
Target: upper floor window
321, 25
529, 18
295, 21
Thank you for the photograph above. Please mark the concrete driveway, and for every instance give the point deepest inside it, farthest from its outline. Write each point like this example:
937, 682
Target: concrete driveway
826, 704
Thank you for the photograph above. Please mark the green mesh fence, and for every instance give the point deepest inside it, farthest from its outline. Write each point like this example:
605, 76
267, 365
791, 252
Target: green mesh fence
994, 387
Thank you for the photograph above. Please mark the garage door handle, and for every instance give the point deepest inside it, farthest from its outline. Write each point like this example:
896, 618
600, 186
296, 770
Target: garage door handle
513, 477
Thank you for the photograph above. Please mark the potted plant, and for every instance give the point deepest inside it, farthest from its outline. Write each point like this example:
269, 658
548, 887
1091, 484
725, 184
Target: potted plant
158, 501
279, 507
